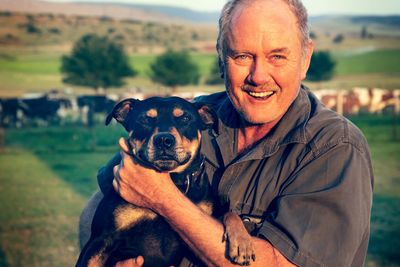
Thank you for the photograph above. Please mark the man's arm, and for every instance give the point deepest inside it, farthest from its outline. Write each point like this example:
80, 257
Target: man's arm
200, 231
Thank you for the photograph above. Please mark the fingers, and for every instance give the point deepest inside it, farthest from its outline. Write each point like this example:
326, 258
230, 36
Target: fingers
124, 145
139, 261
126, 154
136, 262
116, 186
117, 180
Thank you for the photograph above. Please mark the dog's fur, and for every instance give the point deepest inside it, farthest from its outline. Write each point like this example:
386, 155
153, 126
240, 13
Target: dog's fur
164, 134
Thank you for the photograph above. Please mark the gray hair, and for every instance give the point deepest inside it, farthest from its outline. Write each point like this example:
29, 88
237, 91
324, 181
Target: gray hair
226, 16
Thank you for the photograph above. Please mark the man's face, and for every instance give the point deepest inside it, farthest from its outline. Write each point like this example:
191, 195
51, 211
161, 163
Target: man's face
264, 59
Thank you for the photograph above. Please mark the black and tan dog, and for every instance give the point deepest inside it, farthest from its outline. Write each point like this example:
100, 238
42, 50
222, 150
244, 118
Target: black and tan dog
164, 134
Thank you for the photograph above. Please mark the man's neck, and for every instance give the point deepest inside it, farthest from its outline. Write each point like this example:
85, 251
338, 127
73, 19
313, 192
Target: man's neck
248, 135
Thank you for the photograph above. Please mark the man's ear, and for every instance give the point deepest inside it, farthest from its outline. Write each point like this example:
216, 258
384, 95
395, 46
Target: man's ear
306, 60
208, 115
121, 110
221, 68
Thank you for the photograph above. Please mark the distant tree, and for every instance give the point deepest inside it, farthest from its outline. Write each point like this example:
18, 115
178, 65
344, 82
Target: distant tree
174, 68
338, 38
5, 13
105, 18
364, 32
195, 36
31, 28
215, 74
322, 66
313, 35
96, 62
54, 30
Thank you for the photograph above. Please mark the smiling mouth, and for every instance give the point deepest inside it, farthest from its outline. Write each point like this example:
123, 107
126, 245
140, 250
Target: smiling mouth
261, 95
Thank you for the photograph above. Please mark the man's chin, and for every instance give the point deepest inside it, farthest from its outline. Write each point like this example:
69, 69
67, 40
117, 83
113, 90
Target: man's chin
256, 119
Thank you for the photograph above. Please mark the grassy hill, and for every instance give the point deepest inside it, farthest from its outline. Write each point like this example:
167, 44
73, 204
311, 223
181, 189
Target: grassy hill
31, 46
20, 30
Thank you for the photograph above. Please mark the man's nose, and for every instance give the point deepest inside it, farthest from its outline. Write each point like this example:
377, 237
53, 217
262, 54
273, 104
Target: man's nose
259, 73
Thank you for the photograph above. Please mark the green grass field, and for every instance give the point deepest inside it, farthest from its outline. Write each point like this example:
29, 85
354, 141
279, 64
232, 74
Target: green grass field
379, 61
38, 72
46, 175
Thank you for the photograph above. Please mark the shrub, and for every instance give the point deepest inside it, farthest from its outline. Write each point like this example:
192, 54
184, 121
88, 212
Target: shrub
215, 74
338, 38
96, 62
321, 67
174, 68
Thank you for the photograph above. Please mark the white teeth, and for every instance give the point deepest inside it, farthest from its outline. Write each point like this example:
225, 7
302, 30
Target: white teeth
261, 94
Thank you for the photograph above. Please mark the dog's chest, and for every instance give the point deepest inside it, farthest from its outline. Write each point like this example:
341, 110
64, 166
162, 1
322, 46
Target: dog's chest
128, 215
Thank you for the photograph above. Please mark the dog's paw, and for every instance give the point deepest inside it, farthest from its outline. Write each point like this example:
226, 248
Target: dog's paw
240, 248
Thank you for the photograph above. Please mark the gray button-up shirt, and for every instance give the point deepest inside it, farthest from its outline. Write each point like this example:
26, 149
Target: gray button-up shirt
306, 186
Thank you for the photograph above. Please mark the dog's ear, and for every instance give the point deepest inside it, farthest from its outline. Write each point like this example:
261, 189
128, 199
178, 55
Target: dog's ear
121, 110
208, 115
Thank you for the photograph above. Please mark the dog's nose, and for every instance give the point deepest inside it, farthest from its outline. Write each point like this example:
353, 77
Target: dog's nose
164, 140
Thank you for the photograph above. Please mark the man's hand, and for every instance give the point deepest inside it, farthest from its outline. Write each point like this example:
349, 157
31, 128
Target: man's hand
136, 262
139, 185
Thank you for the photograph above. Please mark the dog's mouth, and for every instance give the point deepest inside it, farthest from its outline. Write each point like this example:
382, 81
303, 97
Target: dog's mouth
164, 161
165, 164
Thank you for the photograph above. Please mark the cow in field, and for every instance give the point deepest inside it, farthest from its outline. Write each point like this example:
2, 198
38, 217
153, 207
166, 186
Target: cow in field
11, 112
31, 110
89, 105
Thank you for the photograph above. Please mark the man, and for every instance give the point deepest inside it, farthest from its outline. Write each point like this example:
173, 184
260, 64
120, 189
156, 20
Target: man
298, 174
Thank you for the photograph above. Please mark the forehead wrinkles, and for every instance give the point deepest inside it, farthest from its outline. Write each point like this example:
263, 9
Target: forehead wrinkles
271, 22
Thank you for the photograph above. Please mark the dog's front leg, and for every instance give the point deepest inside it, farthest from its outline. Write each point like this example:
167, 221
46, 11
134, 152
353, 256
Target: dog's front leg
240, 247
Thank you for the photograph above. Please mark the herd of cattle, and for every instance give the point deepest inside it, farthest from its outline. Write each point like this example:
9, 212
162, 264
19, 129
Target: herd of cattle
361, 100
56, 107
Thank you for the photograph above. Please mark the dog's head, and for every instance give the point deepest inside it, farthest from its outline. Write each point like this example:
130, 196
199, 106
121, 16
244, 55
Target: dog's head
164, 133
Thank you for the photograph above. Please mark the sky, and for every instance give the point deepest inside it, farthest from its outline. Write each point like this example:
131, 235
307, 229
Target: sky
314, 7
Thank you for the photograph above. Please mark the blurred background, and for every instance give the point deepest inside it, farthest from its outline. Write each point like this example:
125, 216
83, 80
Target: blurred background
63, 64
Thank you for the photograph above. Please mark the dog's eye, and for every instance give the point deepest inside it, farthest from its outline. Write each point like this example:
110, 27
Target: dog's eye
146, 120
185, 118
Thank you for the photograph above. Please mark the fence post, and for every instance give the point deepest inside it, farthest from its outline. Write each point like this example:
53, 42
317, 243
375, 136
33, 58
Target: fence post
340, 102
2, 138
396, 110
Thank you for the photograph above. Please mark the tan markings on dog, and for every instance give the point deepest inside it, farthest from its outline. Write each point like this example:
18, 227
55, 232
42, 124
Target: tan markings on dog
132, 143
97, 260
135, 145
187, 146
100, 258
206, 206
152, 113
177, 112
177, 135
128, 215
150, 150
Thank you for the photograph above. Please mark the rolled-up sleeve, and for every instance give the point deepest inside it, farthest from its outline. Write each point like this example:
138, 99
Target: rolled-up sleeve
322, 216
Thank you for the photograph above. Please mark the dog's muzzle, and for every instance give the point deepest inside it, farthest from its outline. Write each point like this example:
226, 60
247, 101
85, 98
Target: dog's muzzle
164, 141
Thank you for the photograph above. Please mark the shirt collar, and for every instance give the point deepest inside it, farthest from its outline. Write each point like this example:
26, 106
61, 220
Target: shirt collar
290, 129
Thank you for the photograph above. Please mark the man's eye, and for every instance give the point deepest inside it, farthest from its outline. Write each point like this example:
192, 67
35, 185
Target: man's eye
278, 57
242, 59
